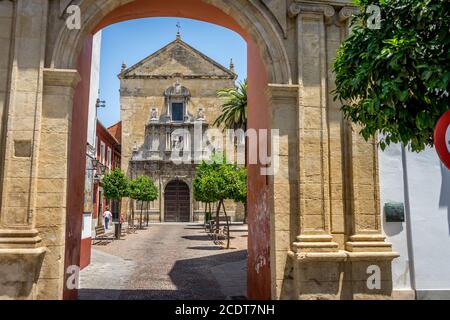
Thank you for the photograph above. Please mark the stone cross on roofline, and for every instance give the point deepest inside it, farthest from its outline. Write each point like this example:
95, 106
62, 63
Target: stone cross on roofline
178, 32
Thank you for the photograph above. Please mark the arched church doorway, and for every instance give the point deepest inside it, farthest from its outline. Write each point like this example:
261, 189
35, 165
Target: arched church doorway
177, 202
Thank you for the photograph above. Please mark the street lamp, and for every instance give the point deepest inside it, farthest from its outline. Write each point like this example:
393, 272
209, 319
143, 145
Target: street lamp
100, 103
95, 163
100, 168
103, 169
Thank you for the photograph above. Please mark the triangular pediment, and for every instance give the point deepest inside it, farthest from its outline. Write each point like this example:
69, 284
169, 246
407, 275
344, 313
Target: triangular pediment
177, 59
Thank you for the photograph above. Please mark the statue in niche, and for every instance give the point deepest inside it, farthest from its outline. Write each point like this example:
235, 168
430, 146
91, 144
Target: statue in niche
177, 143
154, 115
177, 87
201, 114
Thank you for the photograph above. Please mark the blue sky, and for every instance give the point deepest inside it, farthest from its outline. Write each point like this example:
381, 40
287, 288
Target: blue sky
133, 40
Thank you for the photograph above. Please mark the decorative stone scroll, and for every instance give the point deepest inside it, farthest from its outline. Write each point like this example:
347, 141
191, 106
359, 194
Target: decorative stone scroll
346, 13
297, 8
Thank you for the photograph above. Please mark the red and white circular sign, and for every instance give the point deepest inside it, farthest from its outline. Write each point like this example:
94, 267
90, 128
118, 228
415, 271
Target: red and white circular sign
442, 138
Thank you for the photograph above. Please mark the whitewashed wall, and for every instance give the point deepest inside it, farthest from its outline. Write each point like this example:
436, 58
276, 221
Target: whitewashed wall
94, 87
91, 133
422, 183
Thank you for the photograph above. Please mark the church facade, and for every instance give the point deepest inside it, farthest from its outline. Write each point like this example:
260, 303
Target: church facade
167, 99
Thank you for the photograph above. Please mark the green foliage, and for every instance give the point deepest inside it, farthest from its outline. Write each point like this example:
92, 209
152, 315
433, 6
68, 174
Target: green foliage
234, 107
142, 189
396, 80
115, 185
216, 181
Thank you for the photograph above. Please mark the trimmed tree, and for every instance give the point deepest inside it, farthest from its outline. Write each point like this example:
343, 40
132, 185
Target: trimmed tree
144, 190
150, 194
200, 194
218, 181
395, 80
115, 186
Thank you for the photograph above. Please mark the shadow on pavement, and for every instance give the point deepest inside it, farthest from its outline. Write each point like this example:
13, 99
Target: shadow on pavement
199, 238
207, 248
193, 278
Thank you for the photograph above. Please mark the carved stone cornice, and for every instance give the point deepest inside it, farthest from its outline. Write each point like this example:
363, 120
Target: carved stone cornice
61, 78
296, 8
282, 92
27, 238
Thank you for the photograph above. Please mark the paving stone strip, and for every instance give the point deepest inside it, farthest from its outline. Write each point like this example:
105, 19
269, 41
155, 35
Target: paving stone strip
166, 261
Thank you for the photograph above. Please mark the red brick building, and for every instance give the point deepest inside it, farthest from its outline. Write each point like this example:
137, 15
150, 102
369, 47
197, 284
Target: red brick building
107, 154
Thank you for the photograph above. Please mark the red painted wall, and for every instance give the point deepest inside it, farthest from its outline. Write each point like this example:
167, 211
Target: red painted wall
85, 252
104, 135
192, 9
259, 275
77, 164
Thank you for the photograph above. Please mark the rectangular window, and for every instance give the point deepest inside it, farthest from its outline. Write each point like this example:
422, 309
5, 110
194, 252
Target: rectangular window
102, 152
177, 112
108, 159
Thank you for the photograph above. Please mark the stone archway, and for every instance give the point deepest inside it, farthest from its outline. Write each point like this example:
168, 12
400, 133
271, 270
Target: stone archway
313, 228
268, 62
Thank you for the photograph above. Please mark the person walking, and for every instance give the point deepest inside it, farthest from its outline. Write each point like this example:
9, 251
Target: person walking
107, 215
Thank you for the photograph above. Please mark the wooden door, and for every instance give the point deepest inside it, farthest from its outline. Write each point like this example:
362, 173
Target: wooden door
177, 204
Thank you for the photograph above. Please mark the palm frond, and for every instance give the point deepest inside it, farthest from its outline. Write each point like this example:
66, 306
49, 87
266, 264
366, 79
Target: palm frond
234, 107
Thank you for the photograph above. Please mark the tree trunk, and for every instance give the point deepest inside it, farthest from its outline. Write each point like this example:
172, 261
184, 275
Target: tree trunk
132, 212
140, 218
228, 225
147, 213
217, 217
245, 213
209, 211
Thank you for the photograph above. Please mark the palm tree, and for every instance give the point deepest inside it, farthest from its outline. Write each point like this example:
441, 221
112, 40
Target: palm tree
234, 114
234, 108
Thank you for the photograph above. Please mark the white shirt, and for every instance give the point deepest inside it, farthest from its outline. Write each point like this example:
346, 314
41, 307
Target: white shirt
107, 214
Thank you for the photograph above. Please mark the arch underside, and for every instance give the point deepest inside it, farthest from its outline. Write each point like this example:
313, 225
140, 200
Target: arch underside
248, 19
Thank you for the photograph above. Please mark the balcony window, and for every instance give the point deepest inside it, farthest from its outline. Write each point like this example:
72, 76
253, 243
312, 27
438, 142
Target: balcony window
177, 112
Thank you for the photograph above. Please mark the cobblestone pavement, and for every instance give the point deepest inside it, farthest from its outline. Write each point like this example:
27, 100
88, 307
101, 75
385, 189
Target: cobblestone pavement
167, 261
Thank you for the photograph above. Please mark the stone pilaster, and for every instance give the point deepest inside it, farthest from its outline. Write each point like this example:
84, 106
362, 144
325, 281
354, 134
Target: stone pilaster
52, 176
313, 131
363, 195
366, 246
336, 128
365, 224
21, 253
316, 259
283, 115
